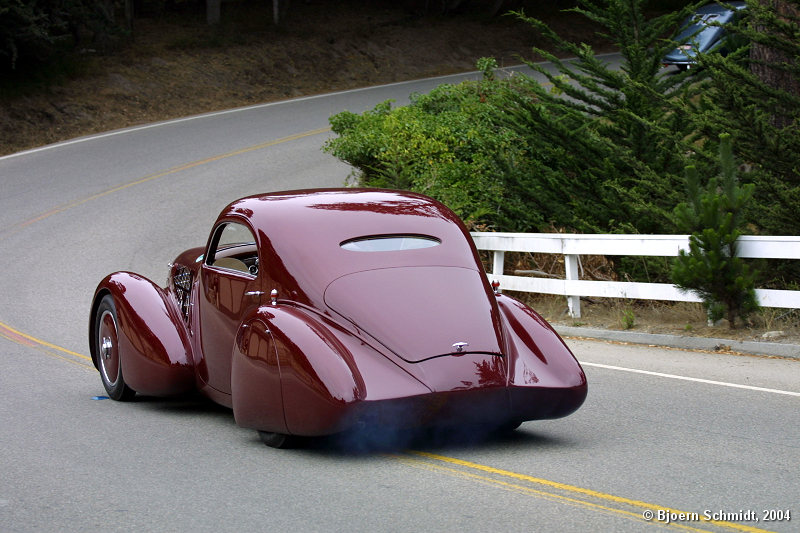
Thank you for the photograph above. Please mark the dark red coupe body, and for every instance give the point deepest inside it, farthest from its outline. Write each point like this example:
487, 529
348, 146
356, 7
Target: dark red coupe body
313, 312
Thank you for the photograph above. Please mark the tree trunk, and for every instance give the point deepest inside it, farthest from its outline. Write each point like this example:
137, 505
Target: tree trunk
129, 15
496, 6
213, 11
764, 60
279, 8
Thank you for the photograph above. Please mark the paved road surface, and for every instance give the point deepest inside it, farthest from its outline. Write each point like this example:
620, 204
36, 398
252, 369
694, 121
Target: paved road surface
666, 430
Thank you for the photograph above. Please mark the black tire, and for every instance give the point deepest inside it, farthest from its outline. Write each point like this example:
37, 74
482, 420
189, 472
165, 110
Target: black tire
278, 440
109, 363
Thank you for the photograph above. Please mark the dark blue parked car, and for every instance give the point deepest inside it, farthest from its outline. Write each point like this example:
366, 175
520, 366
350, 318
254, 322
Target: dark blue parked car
700, 33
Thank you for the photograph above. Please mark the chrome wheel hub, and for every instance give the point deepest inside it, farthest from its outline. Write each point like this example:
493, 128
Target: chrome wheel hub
105, 347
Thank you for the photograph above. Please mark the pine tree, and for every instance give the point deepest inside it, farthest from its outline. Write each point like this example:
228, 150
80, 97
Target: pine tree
714, 216
754, 94
624, 129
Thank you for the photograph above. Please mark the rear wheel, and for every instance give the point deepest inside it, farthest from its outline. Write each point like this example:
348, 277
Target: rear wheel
278, 440
107, 346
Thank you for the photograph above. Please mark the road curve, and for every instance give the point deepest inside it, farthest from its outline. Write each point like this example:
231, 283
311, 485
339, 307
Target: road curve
665, 431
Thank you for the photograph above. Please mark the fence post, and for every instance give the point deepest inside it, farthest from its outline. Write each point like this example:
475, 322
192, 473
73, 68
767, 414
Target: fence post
573, 302
498, 262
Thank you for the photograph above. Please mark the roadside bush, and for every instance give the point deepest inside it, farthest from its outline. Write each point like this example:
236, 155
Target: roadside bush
754, 94
445, 144
596, 148
600, 149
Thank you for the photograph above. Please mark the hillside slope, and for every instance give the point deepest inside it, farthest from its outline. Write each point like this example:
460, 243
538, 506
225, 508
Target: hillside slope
176, 66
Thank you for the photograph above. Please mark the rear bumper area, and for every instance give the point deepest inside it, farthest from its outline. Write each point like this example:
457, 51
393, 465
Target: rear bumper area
529, 403
496, 407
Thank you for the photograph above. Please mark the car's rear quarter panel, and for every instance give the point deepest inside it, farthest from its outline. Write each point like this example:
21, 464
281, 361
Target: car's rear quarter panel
324, 372
544, 379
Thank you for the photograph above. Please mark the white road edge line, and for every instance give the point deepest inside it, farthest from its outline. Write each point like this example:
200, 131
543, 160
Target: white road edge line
248, 108
686, 378
134, 129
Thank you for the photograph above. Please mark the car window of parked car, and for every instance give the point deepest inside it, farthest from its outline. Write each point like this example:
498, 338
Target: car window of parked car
389, 243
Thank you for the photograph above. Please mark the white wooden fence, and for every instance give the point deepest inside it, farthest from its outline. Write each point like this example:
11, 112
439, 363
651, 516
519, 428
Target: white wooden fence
572, 246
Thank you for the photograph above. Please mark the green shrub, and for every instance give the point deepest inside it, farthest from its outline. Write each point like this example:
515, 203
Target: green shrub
593, 149
445, 144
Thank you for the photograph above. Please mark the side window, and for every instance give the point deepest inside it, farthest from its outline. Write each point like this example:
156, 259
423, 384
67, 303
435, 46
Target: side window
233, 247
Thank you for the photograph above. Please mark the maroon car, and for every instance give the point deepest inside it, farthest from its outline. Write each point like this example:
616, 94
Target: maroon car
315, 312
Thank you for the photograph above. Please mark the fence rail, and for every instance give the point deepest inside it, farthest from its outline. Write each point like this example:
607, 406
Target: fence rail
572, 246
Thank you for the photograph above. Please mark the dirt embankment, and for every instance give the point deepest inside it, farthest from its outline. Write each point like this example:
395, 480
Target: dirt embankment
176, 66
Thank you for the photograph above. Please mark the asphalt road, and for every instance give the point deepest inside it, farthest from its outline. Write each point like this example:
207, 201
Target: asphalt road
666, 431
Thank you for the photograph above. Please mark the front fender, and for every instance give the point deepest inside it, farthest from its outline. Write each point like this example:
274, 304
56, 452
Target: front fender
155, 353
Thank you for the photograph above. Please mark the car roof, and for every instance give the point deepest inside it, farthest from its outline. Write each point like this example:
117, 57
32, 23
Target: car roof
721, 14
345, 212
696, 26
300, 234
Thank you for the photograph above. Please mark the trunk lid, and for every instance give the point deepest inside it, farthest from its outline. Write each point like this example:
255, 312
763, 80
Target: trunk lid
420, 312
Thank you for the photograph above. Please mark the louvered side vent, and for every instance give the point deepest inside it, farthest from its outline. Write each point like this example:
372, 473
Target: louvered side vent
182, 281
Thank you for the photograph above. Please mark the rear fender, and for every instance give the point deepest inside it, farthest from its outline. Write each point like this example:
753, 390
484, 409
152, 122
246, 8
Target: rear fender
155, 353
256, 395
538, 357
545, 379
324, 373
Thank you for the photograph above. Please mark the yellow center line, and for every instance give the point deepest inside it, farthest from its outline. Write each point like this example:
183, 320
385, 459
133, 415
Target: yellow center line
528, 490
20, 338
24, 339
170, 171
578, 490
45, 351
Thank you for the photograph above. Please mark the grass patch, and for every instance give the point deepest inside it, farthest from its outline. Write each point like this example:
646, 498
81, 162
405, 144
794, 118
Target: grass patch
670, 318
